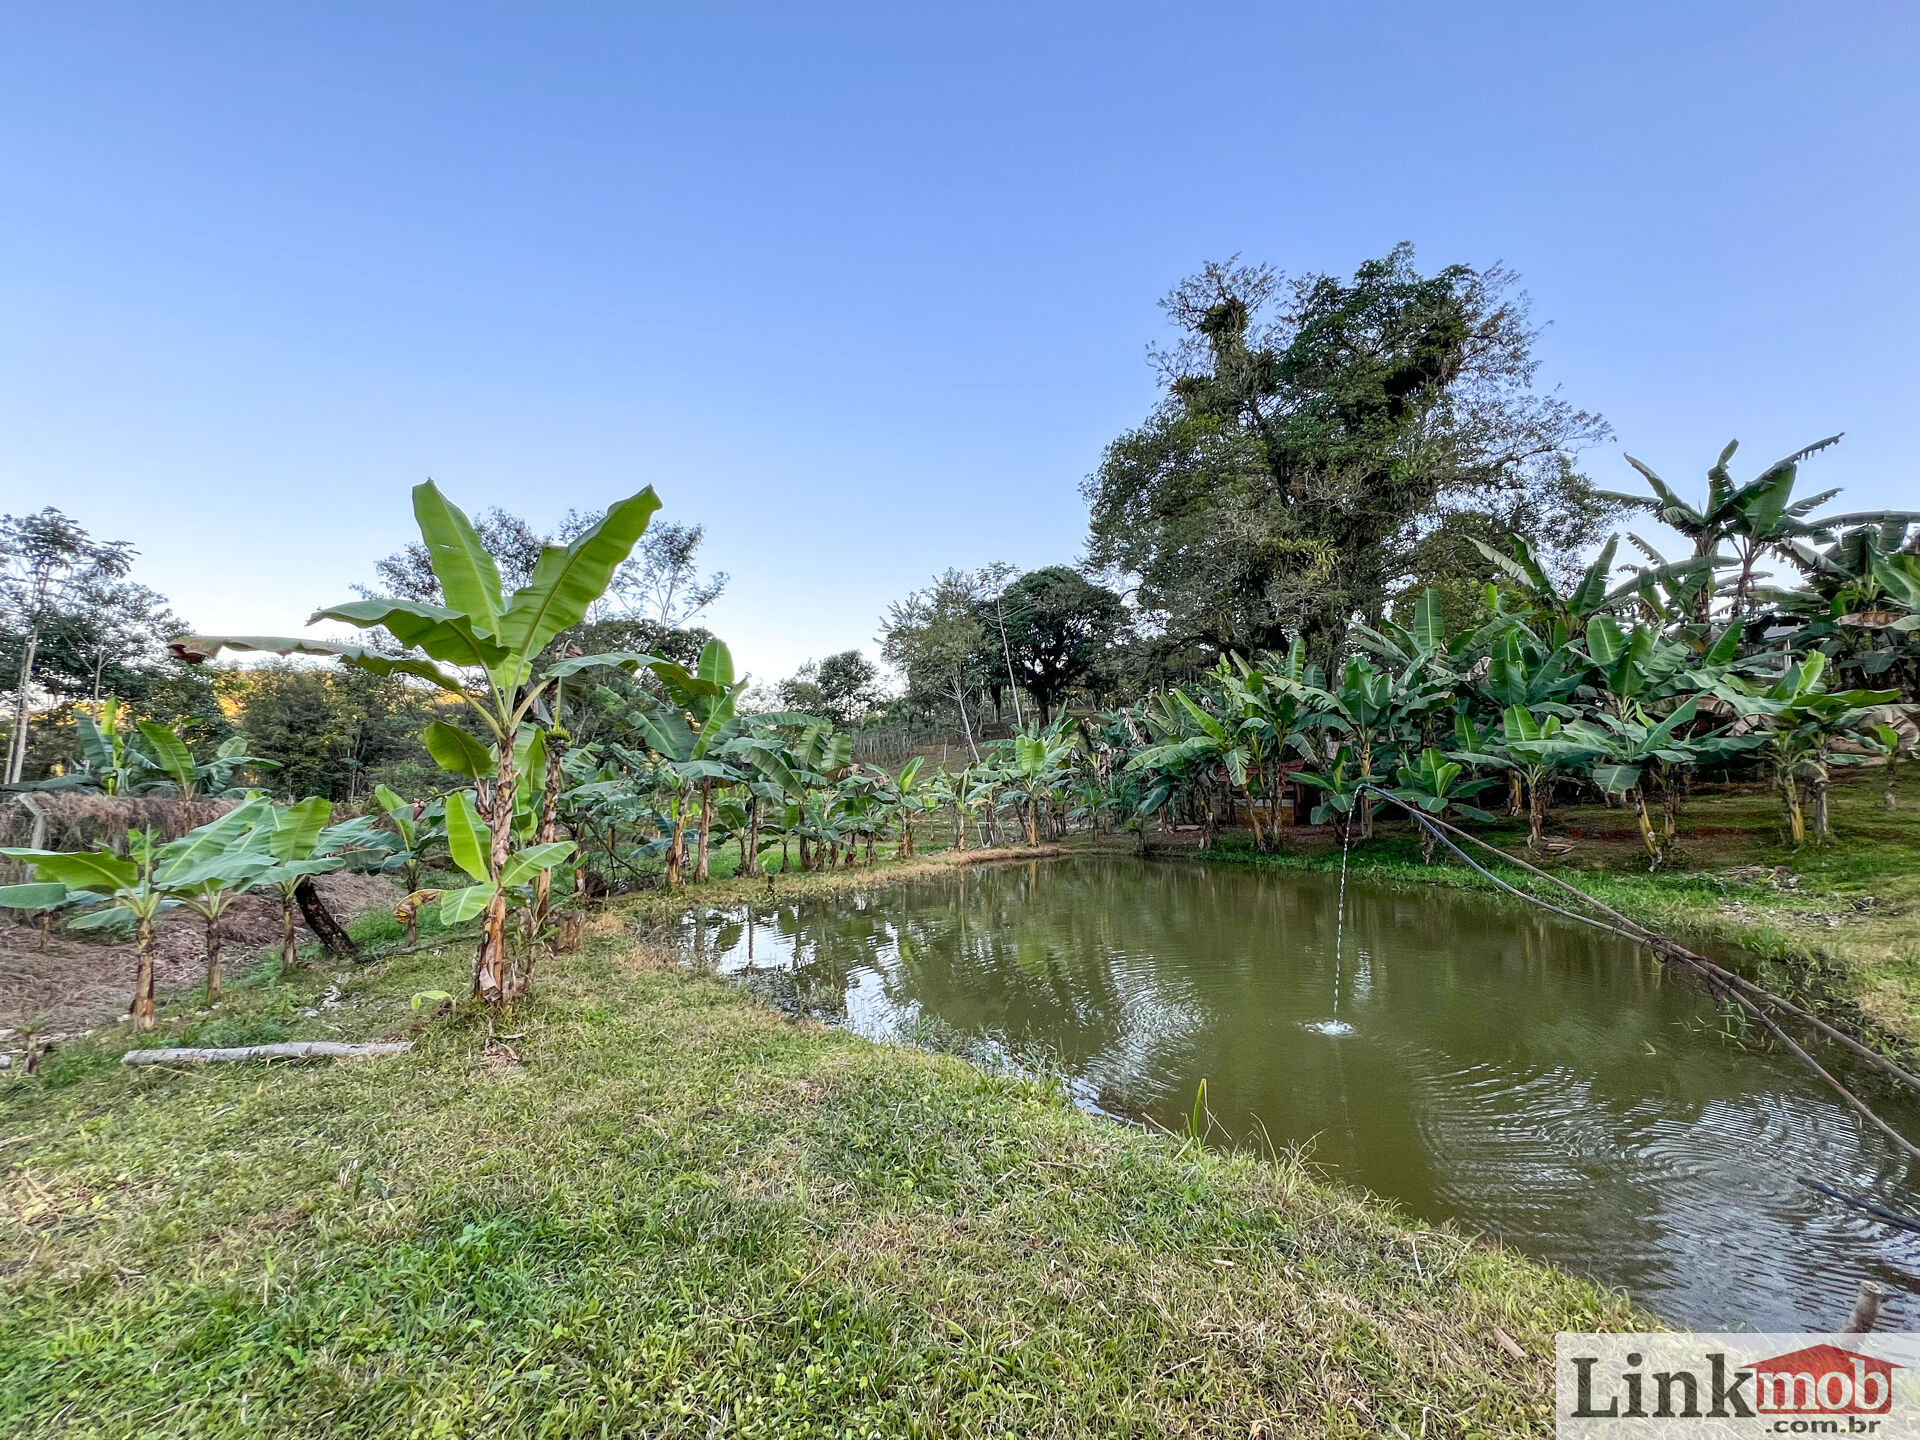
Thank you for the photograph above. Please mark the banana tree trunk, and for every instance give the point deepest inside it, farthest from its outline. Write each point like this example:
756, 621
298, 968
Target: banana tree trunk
1539, 789
870, 849
700, 864
288, 955
213, 960
1366, 801
142, 1008
750, 845
1253, 818
1822, 821
1796, 812
906, 836
549, 832
1516, 803
1645, 821
491, 980
959, 827
1033, 822
674, 877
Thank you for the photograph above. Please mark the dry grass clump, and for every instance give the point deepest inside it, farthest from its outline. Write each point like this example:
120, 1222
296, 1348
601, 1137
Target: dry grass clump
72, 820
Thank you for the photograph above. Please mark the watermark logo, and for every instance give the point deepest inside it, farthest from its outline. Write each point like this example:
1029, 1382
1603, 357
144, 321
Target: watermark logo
1675, 1387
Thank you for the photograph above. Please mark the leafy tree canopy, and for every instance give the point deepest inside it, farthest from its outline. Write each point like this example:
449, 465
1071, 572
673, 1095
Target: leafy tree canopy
843, 688
1055, 625
1320, 443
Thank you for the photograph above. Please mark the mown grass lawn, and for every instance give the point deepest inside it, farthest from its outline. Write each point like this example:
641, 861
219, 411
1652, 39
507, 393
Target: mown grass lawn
678, 1212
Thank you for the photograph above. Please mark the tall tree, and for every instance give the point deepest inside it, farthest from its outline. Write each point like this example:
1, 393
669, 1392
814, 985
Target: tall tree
1056, 626
48, 564
933, 638
1313, 433
842, 688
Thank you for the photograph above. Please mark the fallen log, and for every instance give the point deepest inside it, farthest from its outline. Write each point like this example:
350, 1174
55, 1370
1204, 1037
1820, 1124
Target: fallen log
289, 1050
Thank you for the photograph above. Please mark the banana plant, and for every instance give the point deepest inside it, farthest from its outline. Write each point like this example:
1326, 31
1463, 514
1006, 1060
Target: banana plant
189, 776
41, 900
127, 891
1627, 749
1269, 709
1538, 750
905, 797
1375, 711
1803, 720
690, 735
1342, 784
1567, 613
1643, 668
1435, 784
1892, 747
208, 869
493, 643
294, 845
1751, 519
415, 827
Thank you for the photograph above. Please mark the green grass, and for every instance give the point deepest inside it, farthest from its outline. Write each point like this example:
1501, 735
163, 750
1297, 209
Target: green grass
1840, 925
683, 1214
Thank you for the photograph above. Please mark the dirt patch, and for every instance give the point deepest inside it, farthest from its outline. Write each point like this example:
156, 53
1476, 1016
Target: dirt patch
78, 983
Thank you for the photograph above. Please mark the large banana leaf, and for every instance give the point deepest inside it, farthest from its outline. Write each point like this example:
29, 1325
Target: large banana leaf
93, 745
194, 649
442, 634
567, 581
459, 906
1430, 621
767, 759
469, 841
616, 659
469, 580
666, 732
715, 720
1605, 641
81, 869
457, 752
1204, 720
522, 865
716, 664
47, 895
297, 829
209, 842
171, 752
1616, 779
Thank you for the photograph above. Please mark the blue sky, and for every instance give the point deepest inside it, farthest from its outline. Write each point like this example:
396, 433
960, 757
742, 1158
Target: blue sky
866, 289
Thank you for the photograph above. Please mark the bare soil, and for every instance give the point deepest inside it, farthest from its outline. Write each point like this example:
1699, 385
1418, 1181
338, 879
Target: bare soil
78, 983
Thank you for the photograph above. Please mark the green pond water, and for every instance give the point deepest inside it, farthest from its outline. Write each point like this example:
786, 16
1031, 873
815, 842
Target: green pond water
1468, 1059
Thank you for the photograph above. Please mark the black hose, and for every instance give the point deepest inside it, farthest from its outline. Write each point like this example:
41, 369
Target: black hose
1860, 1202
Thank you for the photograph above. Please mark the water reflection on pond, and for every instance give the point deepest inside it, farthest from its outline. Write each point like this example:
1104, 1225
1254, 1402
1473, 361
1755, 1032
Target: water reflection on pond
1527, 1077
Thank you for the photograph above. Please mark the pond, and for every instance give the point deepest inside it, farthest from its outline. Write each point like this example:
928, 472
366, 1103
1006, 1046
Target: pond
1464, 1057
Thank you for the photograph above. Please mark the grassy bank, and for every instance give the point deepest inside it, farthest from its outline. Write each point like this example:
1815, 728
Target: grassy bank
660, 1207
1839, 922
